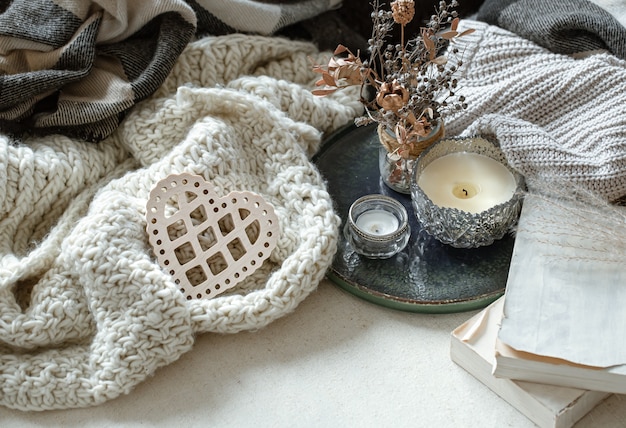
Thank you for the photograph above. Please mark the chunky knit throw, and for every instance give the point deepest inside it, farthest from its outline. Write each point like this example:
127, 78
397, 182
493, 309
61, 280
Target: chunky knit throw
86, 312
560, 120
77, 67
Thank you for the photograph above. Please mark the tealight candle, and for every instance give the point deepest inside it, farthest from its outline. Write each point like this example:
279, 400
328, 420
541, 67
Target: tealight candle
377, 222
467, 181
464, 193
377, 226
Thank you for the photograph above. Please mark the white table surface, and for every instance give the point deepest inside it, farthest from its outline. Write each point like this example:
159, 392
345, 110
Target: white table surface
337, 361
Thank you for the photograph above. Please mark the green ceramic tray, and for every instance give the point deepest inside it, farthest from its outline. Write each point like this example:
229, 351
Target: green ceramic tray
426, 276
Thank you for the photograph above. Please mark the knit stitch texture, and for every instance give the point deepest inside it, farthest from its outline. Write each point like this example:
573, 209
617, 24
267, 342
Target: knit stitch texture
561, 121
85, 310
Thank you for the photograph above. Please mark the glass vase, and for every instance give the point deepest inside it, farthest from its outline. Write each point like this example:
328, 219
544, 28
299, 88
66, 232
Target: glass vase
395, 170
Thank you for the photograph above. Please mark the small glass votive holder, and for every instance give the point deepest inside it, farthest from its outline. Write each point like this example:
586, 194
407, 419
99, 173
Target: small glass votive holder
464, 193
377, 227
395, 171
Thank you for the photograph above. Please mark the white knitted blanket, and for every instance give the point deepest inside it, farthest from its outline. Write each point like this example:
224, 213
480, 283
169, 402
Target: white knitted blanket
86, 313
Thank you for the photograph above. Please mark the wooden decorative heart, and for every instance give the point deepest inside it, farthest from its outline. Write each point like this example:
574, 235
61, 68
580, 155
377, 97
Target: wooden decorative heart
207, 243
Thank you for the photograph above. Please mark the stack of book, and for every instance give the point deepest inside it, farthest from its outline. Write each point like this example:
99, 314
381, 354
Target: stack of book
553, 345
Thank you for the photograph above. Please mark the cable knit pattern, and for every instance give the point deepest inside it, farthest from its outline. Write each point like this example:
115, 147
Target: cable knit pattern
86, 312
558, 119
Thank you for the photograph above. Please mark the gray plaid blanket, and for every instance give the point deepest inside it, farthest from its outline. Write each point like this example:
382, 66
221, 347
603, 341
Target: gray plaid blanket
77, 67
563, 26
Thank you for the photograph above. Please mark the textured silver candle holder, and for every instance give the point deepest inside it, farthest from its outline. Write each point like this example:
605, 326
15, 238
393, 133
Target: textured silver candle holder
455, 227
382, 240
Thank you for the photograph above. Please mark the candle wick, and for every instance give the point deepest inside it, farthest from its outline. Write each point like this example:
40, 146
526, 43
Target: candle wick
465, 192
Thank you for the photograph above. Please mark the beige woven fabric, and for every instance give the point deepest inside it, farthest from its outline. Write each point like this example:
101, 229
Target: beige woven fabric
85, 311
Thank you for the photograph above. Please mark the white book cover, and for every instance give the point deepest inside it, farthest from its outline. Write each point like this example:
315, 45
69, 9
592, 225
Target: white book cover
566, 288
473, 348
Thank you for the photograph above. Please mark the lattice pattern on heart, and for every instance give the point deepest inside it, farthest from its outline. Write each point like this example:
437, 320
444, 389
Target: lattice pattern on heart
207, 243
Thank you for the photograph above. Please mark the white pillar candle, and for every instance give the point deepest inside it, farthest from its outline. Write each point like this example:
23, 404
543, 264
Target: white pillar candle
377, 222
467, 181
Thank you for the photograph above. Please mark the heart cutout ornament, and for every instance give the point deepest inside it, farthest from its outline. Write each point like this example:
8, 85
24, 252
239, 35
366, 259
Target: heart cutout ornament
208, 243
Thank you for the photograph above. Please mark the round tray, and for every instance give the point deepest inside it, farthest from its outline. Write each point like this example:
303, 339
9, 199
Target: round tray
427, 276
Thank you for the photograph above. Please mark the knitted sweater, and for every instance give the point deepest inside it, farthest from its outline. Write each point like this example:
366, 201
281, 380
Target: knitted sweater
86, 312
561, 121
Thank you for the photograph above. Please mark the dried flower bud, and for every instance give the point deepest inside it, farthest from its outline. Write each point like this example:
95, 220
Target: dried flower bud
403, 11
412, 82
392, 97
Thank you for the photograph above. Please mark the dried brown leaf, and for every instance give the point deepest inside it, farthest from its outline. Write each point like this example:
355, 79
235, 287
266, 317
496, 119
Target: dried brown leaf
449, 35
429, 44
322, 92
466, 32
427, 40
440, 60
455, 24
340, 49
328, 79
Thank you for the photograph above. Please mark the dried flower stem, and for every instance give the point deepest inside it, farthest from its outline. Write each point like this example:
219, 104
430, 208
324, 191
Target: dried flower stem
413, 80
